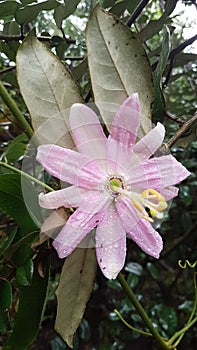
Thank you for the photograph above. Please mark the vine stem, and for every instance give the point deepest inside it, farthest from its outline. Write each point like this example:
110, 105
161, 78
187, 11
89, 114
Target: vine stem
160, 341
10, 103
22, 173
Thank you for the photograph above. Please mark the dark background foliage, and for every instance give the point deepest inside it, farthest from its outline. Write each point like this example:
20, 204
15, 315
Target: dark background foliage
164, 288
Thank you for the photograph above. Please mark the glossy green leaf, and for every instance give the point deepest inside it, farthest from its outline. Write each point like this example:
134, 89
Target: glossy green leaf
155, 26
64, 11
119, 8
24, 273
5, 303
134, 268
32, 301
29, 12
48, 90
6, 241
153, 270
16, 148
11, 201
132, 280
75, 287
8, 7
5, 294
159, 103
165, 317
118, 67
132, 5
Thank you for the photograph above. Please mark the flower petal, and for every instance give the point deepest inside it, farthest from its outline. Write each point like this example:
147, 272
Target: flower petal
68, 197
87, 131
157, 173
82, 221
126, 122
117, 157
138, 229
70, 166
110, 244
148, 145
164, 171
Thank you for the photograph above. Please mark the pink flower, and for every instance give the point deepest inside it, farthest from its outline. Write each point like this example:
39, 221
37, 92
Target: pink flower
116, 186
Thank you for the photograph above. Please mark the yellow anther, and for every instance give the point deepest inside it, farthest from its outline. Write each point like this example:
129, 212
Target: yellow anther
137, 205
147, 218
151, 193
153, 212
162, 205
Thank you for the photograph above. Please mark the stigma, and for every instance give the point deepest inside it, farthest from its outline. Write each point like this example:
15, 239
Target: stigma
149, 204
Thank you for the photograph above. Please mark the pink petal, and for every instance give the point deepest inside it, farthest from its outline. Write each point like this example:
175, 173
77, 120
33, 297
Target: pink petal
87, 131
68, 197
110, 244
117, 157
164, 171
70, 166
169, 192
80, 223
148, 145
138, 229
157, 173
126, 121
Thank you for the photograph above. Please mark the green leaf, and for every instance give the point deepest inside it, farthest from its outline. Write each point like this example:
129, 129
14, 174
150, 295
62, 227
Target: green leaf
5, 295
118, 67
6, 241
134, 268
16, 148
8, 8
31, 307
80, 70
5, 302
24, 273
48, 90
154, 26
11, 201
153, 271
132, 5
159, 103
119, 8
64, 11
165, 318
29, 12
73, 292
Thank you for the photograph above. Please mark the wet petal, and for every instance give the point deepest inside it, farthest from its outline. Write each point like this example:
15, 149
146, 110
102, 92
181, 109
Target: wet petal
70, 166
80, 223
169, 192
148, 145
126, 122
110, 244
138, 229
117, 157
164, 171
87, 131
68, 197
157, 173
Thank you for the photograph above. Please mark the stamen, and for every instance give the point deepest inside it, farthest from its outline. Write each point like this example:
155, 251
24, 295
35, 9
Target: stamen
149, 198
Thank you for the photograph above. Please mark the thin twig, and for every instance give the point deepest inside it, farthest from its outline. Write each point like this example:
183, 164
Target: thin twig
176, 120
41, 38
137, 12
186, 126
175, 52
7, 70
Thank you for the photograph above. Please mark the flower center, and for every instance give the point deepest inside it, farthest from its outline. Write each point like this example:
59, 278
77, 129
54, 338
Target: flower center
114, 183
150, 203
